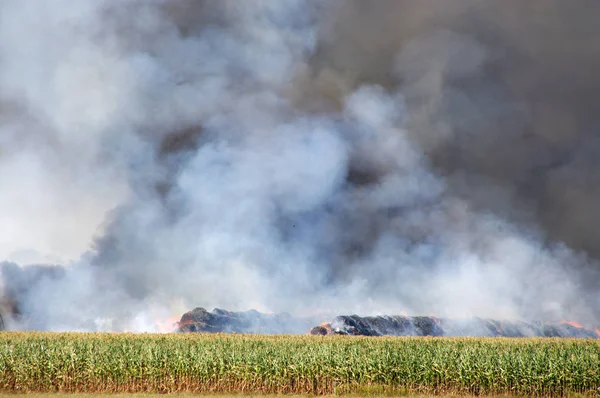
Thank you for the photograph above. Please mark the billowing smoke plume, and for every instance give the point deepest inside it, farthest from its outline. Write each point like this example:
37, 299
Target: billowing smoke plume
396, 156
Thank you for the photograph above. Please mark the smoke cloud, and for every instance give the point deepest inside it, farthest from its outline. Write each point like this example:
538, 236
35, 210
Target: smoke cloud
313, 157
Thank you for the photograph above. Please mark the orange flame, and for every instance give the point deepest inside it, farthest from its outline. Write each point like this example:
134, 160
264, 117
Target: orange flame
572, 323
183, 322
168, 325
597, 331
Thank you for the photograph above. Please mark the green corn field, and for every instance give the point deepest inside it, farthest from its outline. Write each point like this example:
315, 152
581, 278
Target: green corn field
125, 363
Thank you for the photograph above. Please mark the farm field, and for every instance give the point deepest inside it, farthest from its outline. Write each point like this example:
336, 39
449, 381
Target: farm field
150, 395
201, 363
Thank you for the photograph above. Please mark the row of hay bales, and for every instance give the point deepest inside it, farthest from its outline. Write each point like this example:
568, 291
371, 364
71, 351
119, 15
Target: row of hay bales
222, 321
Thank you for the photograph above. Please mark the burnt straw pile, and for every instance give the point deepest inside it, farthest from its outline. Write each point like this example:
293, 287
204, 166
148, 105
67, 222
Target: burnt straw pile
399, 325
222, 321
254, 322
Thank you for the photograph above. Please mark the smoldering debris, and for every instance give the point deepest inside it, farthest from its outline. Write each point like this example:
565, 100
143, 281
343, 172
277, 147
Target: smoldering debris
199, 320
252, 321
399, 325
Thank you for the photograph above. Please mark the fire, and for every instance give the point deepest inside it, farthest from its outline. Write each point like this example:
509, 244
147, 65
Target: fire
597, 331
185, 320
321, 330
182, 324
168, 325
572, 323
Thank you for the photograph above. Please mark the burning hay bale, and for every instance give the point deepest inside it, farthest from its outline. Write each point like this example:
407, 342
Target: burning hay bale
222, 321
323, 329
355, 325
399, 325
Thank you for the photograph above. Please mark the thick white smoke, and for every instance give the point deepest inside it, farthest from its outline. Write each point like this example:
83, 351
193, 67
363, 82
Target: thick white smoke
174, 154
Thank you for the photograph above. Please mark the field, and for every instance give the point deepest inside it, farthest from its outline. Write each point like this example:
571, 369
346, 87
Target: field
154, 395
239, 395
198, 363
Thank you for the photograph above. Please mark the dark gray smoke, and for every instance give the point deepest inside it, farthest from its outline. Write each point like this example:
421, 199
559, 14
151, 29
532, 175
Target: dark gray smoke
305, 156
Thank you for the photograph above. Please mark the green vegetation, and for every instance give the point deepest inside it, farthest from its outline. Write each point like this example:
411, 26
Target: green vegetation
127, 363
